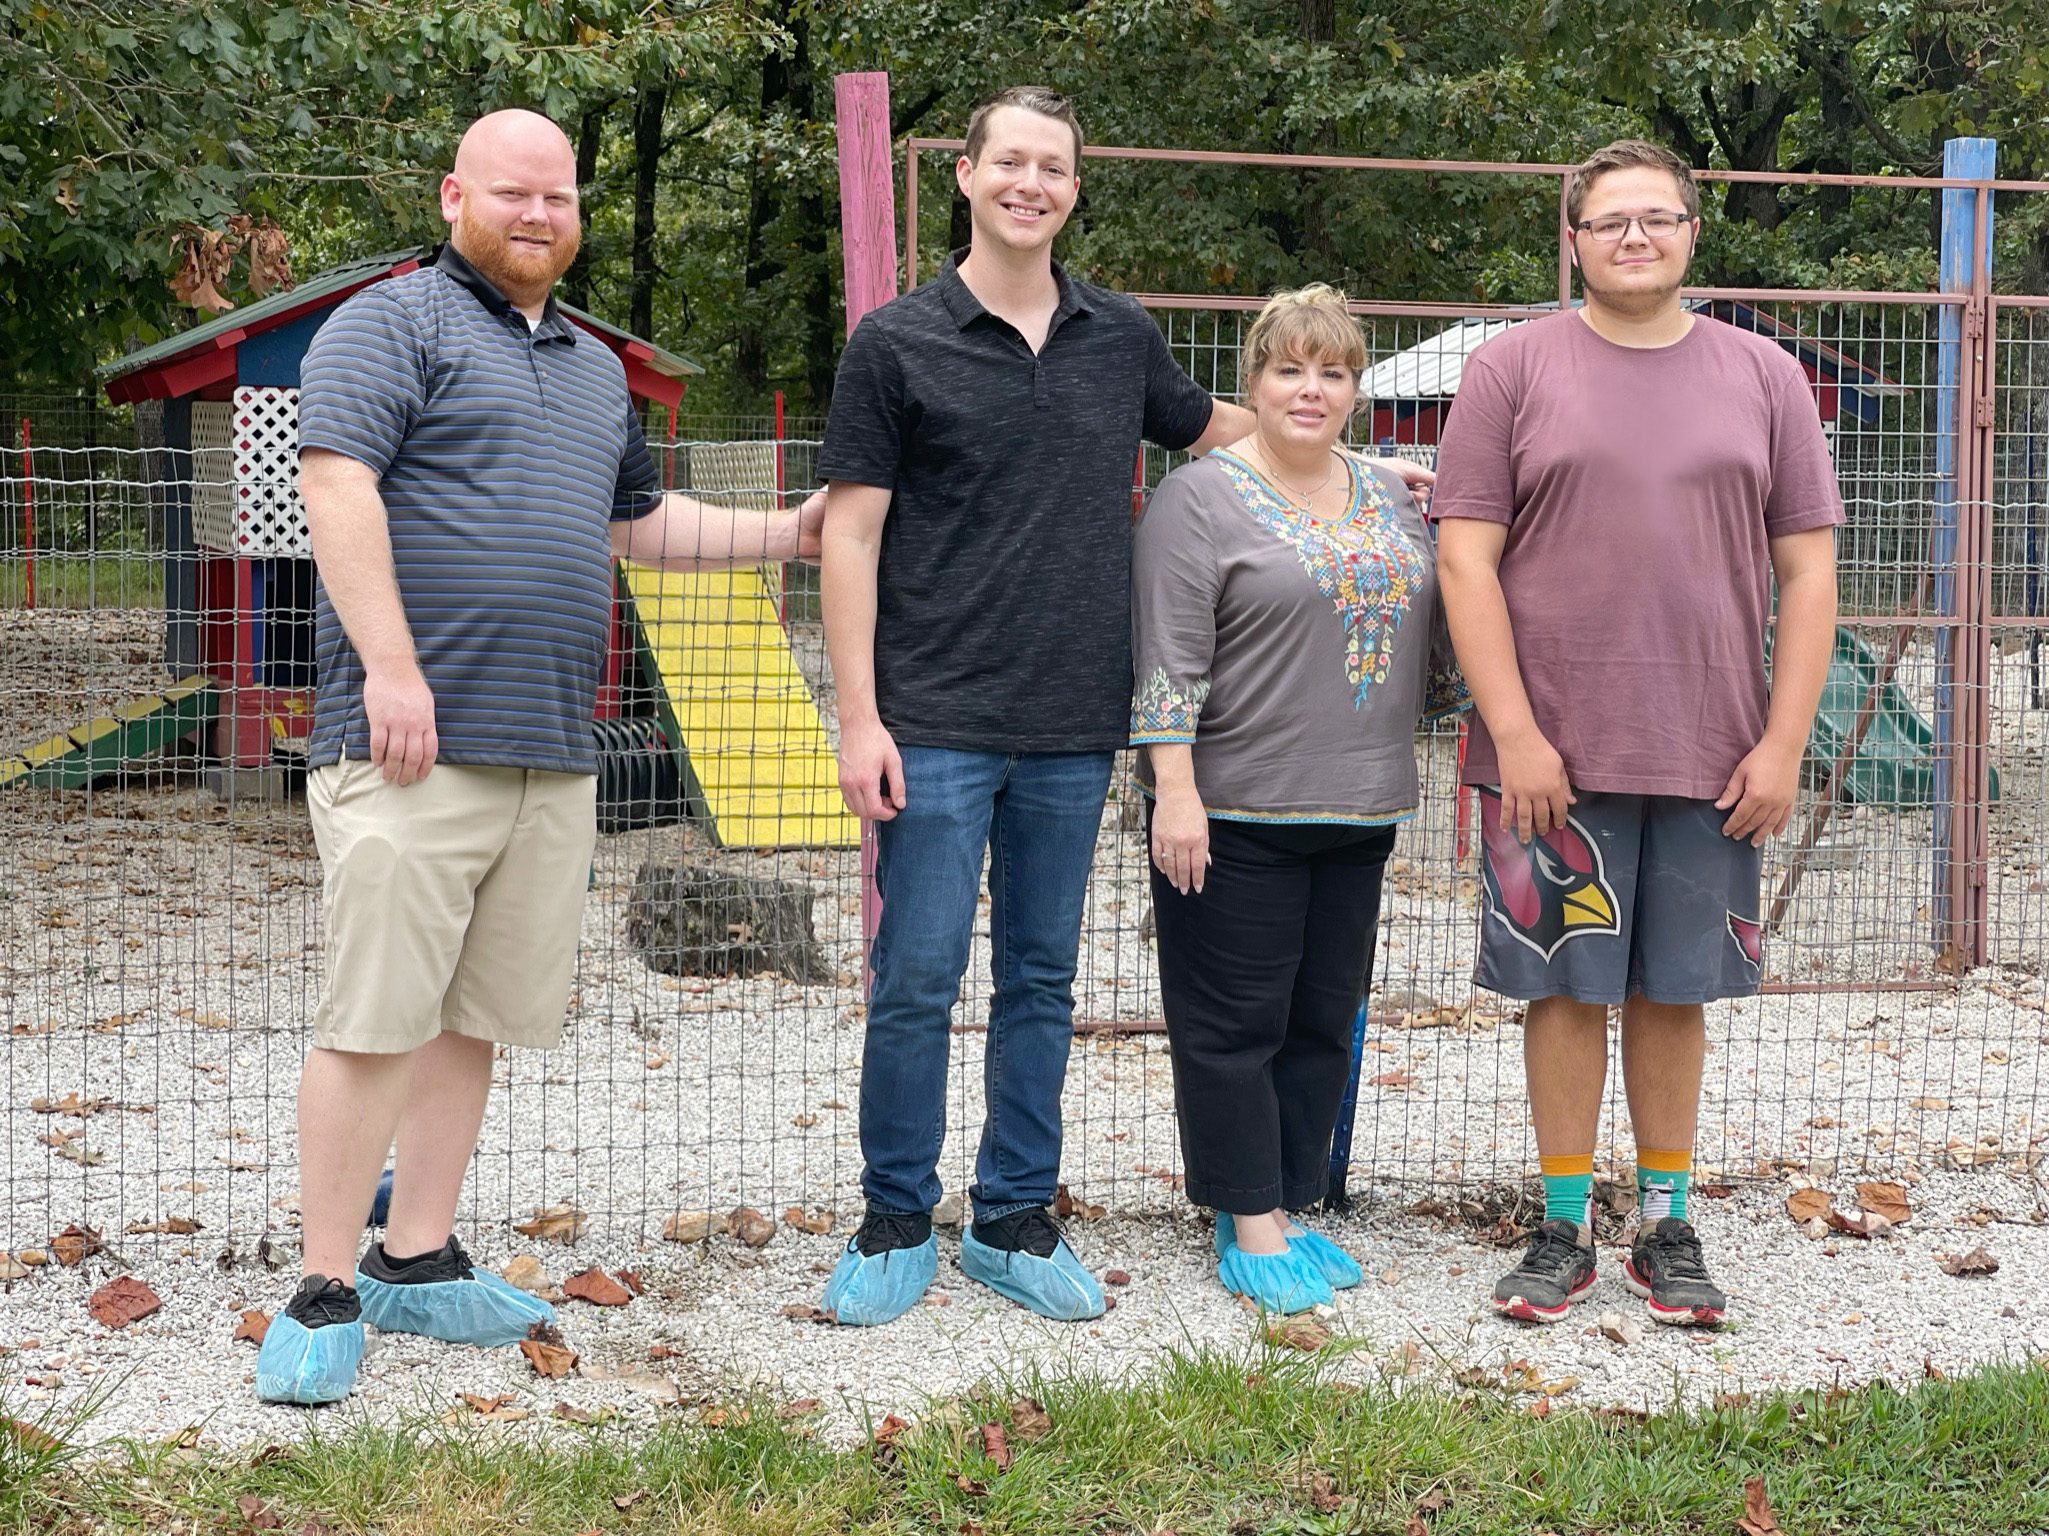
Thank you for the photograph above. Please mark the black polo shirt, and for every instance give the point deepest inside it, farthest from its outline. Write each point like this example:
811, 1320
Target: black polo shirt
1004, 592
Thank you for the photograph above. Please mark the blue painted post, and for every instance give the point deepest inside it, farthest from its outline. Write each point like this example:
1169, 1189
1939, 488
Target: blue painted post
1974, 159
1338, 1198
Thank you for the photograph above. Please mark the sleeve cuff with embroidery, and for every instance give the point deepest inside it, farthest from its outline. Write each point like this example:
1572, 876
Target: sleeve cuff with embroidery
1165, 710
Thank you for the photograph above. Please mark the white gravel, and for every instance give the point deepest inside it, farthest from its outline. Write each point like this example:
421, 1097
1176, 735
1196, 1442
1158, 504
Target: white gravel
159, 948
1804, 1312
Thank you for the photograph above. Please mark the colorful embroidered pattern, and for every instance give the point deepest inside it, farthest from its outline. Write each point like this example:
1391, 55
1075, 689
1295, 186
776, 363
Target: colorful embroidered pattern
1164, 710
1364, 563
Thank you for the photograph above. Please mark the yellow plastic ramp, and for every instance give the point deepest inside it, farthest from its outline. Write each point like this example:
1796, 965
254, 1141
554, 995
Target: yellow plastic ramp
107, 742
714, 649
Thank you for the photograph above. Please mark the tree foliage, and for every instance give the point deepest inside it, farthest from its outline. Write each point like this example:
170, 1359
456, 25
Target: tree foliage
133, 135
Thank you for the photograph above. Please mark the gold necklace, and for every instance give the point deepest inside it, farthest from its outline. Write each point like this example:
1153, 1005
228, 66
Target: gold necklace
1288, 492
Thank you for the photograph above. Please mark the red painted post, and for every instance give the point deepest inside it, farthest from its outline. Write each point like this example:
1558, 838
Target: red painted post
28, 511
868, 244
1463, 817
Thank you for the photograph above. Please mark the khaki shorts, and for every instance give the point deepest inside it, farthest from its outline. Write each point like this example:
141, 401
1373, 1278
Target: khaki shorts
453, 903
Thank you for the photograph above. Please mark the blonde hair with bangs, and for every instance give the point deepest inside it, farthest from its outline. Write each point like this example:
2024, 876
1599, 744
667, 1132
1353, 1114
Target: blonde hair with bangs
1309, 324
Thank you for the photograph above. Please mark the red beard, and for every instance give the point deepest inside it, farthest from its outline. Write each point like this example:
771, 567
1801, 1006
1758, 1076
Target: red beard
518, 273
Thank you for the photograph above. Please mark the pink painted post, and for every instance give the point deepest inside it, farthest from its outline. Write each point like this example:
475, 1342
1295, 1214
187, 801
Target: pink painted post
868, 240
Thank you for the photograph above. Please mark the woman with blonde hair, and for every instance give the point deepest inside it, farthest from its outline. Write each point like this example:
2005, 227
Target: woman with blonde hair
1287, 639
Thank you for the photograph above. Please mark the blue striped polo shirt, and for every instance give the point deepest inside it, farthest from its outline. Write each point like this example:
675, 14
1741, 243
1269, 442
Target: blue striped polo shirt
504, 453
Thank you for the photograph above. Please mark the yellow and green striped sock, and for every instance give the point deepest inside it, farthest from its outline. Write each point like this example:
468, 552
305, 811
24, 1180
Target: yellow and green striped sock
1569, 1188
1661, 1181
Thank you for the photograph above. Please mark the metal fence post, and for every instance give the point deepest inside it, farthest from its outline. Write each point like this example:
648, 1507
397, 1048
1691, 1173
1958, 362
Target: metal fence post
868, 239
1966, 264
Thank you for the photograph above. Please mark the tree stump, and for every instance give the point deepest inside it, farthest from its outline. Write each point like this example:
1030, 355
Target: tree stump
691, 921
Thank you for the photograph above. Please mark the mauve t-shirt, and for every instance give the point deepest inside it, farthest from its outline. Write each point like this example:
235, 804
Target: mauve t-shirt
1641, 488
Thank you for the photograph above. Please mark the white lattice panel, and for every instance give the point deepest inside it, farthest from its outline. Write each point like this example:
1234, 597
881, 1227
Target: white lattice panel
269, 517
213, 474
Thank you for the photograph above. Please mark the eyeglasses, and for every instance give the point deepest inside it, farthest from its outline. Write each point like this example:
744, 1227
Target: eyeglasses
1655, 226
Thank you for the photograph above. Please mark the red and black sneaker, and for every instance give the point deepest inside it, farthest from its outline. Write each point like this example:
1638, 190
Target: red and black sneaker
1557, 1270
1665, 1268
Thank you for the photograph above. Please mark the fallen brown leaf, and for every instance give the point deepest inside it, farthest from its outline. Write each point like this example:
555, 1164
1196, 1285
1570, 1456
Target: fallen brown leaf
121, 1301
630, 1278
170, 1226
1976, 1262
625, 1501
525, 1273
554, 1223
817, 1223
1304, 1333
887, 1431
570, 1413
804, 1312
1029, 1420
29, 1437
1323, 1493
973, 1487
549, 1360
1803, 1205
1116, 1277
798, 1408
691, 1227
1068, 1206
74, 1245
253, 1326
597, 1288
257, 1514
750, 1226
1885, 1199
1757, 1519
996, 1446
1393, 1080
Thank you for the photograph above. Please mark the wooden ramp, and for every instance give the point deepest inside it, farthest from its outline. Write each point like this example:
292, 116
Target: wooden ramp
712, 646
108, 742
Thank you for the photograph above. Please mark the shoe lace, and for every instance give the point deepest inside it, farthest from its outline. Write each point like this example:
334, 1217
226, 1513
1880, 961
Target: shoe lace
1678, 1252
458, 1259
321, 1301
1551, 1249
884, 1230
1034, 1232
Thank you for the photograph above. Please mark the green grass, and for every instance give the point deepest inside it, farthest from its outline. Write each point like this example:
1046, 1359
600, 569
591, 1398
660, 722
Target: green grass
77, 581
1266, 1441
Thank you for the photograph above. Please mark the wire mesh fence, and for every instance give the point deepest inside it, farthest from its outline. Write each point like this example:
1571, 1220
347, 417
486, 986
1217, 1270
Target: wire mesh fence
160, 914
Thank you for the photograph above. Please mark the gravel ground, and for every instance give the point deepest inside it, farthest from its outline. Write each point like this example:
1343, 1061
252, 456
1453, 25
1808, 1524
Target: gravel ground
1804, 1311
159, 950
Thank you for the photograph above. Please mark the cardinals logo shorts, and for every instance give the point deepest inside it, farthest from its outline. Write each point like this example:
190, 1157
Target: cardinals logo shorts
1636, 895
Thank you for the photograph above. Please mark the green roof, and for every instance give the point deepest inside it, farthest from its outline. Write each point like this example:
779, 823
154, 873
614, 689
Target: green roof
255, 316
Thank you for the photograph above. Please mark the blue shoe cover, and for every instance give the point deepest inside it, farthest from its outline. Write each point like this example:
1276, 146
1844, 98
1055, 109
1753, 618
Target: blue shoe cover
1278, 1282
870, 1288
1338, 1268
1056, 1287
481, 1310
298, 1364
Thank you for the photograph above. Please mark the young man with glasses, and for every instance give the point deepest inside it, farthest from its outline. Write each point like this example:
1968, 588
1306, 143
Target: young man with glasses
1619, 485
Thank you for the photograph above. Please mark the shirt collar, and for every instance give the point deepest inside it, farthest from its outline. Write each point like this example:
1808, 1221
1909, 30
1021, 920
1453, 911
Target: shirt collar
966, 309
553, 324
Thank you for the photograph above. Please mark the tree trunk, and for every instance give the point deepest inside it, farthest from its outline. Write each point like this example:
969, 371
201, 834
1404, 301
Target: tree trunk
648, 111
576, 282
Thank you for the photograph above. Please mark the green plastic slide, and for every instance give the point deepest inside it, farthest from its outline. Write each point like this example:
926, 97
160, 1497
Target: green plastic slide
1895, 762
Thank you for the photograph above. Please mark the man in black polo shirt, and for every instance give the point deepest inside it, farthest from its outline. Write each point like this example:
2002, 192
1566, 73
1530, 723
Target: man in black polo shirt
470, 465
977, 609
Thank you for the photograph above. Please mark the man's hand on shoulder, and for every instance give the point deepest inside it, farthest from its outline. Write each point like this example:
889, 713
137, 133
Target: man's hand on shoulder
1417, 477
400, 708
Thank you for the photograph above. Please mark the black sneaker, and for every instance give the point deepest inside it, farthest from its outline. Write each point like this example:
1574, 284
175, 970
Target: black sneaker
1557, 1270
320, 1301
887, 1230
1029, 1231
1665, 1268
449, 1262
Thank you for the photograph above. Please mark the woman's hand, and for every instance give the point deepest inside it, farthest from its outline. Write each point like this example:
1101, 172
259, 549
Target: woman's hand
1180, 838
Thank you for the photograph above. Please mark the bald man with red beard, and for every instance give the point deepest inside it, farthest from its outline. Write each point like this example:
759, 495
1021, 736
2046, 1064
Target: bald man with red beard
471, 464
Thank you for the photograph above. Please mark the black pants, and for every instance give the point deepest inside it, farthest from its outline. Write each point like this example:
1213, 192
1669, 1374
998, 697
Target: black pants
1261, 975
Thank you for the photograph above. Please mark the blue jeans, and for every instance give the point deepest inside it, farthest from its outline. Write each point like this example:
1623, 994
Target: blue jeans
1036, 814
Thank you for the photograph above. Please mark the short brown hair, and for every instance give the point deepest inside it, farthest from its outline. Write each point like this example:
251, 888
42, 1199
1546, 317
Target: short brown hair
1621, 155
1311, 324
1042, 99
